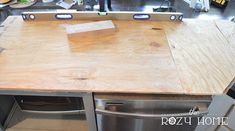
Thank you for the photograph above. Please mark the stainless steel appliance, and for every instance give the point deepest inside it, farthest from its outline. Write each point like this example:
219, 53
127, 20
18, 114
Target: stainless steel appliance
114, 114
47, 113
49, 104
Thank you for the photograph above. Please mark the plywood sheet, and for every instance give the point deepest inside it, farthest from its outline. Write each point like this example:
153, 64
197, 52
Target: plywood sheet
136, 59
39, 57
227, 28
204, 58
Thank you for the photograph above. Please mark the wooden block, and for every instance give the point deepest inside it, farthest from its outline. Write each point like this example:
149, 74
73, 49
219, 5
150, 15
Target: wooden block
92, 29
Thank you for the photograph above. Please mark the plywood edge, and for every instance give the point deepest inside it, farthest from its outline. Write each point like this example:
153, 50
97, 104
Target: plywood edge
229, 86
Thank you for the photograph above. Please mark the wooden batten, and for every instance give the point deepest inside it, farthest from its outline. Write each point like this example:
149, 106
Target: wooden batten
90, 30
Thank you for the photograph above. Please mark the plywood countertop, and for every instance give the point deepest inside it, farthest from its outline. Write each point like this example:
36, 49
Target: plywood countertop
192, 57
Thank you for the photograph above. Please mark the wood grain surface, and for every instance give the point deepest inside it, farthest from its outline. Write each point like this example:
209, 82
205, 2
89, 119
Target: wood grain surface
136, 59
204, 58
4, 1
38, 56
228, 31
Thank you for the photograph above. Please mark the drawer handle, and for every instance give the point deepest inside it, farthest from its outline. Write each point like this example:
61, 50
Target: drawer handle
200, 112
56, 112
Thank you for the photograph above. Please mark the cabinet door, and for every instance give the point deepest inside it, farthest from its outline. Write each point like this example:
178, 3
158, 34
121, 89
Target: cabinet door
221, 106
223, 128
1, 128
6, 103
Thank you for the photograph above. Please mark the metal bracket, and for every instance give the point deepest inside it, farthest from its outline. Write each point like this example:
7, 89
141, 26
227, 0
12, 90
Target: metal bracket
89, 104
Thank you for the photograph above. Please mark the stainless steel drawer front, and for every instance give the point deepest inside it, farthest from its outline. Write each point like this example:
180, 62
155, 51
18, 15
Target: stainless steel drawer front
146, 115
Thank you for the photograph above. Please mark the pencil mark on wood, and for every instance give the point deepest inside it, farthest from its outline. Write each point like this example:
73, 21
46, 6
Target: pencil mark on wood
80, 78
155, 44
155, 28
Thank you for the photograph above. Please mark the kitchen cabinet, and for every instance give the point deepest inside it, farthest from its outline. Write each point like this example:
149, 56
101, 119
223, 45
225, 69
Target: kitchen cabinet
48, 111
190, 58
6, 103
221, 106
223, 128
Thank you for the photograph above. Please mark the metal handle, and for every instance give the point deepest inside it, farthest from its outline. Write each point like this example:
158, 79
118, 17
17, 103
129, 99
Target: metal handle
56, 112
202, 111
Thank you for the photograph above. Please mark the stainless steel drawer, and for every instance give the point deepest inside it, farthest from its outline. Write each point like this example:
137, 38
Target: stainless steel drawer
149, 114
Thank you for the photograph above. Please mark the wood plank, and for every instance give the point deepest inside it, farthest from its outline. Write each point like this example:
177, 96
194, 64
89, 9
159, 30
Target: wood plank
221, 106
39, 57
204, 60
131, 96
136, 59
91, 29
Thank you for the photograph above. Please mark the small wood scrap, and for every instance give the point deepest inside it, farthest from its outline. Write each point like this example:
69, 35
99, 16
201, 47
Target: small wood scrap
90, 30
